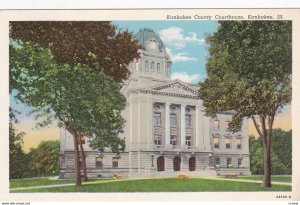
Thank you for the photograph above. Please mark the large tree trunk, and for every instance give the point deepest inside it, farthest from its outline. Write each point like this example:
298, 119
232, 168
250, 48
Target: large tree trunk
265, 133
83, 160
267, 164
76, 158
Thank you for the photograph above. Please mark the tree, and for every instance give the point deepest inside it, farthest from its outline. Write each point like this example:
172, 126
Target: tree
83, 99
282, 147
75, 43
71, 42
249, 72
16, 153
45, 158
281, 156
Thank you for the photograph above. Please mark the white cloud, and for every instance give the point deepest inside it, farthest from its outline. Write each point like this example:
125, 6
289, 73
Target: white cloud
179, 57
185, 77
174, 36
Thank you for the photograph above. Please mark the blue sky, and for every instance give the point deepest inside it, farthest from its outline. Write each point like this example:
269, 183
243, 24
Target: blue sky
185, 43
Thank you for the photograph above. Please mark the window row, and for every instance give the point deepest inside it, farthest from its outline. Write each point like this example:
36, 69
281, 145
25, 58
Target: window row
228, 142
176, 163
99, 163
152, 66
216, 125
228, 162
173, 120
173, 140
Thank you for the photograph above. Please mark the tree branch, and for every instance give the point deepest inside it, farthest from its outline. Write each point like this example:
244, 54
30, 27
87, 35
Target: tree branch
257, 126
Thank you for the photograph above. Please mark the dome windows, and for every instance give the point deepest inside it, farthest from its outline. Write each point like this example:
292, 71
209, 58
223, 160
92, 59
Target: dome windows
158, 67
152, 66
146, 65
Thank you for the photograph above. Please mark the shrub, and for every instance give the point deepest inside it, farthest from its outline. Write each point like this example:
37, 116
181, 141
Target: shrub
231, 175
182, 176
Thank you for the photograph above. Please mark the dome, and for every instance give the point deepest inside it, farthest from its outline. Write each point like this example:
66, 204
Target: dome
146, 34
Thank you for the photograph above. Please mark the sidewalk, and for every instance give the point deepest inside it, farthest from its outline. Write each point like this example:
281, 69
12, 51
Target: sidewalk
248, 180
109, 181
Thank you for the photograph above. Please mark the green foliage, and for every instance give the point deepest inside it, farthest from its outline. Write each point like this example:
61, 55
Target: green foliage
282, 147
281, 157
45, 158
17, 157
249, 69
84, 100
72, 42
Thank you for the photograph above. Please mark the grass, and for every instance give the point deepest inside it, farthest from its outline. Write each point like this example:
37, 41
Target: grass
15, 183
276, 178
163, 185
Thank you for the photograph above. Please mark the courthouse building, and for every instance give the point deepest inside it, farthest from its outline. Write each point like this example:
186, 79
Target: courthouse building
166, 131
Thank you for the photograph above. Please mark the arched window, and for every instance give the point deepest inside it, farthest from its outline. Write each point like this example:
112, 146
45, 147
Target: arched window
152, 66
146, 65
158, 67
176, 163
160, 164
192, 164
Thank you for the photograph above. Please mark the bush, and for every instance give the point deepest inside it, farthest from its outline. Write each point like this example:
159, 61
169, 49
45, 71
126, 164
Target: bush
231, 175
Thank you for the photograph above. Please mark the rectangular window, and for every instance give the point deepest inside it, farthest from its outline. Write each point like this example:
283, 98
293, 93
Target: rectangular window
188, 121
157, 140
216, 124
99, 162
239, 143
229, 162
226, 125
173, 120
239, 162
115, 162
188, 141
217, 142
157, 119
228, 143
173, 140
217, 161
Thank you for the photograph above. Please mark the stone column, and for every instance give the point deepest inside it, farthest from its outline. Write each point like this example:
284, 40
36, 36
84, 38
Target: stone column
182, 124
167, 123
197, 128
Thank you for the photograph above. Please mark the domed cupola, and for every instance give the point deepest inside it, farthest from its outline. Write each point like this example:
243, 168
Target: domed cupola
149, 40
154, 61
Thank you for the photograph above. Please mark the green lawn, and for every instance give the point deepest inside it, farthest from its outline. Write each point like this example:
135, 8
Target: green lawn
15, 183
276, 178
163, 185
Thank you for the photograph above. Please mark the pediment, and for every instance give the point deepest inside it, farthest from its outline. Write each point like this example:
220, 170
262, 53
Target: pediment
176, 88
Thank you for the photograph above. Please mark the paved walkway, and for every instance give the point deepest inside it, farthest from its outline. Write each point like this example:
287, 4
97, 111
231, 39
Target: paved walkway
109, 181
248, 180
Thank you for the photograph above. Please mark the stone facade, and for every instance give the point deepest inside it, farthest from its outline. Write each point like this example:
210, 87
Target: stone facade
166, 131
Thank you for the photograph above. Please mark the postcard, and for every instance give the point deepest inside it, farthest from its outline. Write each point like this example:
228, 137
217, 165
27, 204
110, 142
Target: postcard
150, 104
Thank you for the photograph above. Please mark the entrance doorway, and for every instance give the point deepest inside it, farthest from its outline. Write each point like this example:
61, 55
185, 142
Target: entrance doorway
176, 163
160, 164
192, 164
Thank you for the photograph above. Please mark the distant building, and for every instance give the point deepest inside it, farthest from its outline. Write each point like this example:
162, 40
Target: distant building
166, 131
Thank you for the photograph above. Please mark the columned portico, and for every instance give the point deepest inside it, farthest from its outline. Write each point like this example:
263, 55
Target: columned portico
167, 123
182, 124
